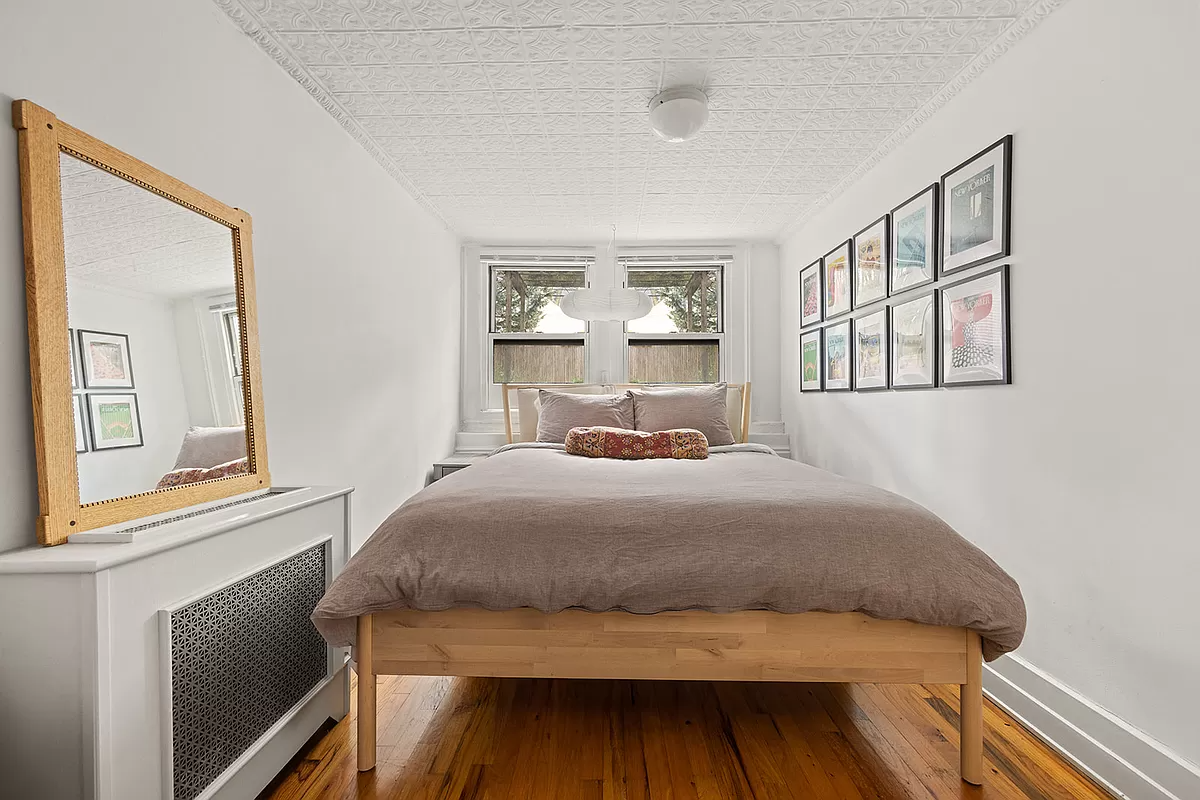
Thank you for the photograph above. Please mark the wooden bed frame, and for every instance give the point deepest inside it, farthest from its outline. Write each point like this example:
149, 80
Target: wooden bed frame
671, 645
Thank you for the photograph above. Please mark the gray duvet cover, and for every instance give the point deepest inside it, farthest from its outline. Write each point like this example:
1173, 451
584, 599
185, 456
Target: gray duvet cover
532, 526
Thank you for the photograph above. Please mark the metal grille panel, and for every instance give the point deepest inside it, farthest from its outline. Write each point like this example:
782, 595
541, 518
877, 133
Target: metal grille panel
240, 659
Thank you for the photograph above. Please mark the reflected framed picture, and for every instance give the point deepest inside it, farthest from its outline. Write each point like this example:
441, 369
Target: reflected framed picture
115, 421
810, 361
914, 342
838, 286
976, 201
104, 358
974, 330
871, 351
810, 294
871, 262
839, 357
914, 242
81, 445
74, 359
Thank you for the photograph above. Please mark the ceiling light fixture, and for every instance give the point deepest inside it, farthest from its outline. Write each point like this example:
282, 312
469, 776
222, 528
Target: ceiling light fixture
678, 114
607, 305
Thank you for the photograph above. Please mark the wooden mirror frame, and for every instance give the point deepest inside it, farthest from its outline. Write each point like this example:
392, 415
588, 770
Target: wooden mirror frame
40, 138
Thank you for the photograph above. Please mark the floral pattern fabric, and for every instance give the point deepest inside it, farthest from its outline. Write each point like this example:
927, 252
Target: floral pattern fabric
602, 442
182, 477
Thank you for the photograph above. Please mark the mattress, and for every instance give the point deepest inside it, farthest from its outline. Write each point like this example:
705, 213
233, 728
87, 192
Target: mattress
532, 526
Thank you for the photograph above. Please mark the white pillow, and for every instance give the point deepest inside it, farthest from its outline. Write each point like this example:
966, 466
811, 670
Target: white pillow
204, 448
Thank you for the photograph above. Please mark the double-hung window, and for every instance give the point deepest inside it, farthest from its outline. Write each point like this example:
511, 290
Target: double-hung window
530, 339
681, 339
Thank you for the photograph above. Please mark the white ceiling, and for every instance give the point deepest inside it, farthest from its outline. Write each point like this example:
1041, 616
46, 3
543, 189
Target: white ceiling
117, 234
526, 119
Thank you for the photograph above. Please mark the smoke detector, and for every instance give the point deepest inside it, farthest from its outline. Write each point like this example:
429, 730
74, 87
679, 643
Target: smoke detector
678, 114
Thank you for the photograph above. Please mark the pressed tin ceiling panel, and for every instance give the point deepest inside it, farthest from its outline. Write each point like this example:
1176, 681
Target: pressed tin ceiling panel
526, 119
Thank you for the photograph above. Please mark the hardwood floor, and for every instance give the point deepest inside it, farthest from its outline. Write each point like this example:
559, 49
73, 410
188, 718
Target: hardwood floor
542, 739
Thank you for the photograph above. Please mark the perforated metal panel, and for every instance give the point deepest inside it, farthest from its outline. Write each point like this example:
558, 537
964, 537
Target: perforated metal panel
240, 659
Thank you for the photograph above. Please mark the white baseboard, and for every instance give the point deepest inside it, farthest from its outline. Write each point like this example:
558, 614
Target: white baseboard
1117, 755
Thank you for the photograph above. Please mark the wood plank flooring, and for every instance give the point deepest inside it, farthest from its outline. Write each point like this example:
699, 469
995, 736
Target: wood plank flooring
537, 739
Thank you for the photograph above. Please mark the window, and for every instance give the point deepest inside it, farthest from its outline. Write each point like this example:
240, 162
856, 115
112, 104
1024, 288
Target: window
531, 340
679, 341
233, 349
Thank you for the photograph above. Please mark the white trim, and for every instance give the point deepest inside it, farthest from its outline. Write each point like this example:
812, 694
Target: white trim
1123, 759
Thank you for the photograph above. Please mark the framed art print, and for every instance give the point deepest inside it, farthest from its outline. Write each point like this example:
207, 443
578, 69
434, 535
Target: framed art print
74, 359
839, 356
914, 241
80, 431
115, 421
870, 263
976, 201
914, 342
104, 358
810, 294
870, 351
810, 361
838, 286
974, 331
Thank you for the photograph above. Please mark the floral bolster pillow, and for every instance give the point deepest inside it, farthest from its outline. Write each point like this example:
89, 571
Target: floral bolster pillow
602, 442
183, 477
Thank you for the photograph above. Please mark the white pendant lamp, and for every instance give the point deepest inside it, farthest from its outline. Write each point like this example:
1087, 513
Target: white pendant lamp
607, 305
678, 114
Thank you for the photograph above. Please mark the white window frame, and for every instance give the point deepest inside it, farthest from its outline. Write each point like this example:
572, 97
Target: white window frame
674, 261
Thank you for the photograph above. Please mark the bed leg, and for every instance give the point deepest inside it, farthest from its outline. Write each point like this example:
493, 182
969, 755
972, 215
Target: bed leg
366, 695
971, 718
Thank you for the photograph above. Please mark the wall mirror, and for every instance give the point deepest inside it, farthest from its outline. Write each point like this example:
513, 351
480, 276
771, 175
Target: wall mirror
143, 335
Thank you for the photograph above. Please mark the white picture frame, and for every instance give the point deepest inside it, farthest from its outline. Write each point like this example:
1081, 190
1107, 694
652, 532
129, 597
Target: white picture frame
838, 280
837, 366
871, 246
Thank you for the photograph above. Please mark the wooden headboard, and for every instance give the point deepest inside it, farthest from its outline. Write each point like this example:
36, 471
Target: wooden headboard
617, 387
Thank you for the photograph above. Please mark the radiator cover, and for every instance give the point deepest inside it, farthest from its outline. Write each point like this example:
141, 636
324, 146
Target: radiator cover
240, 658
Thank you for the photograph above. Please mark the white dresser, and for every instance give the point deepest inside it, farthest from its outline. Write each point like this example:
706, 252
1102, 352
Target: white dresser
178, 664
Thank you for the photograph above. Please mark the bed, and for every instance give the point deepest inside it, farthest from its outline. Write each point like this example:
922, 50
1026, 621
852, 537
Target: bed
745, 566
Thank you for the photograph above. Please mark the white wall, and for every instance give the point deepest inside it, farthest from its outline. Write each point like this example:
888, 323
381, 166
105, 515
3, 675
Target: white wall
358, 287
1079, 478
158, 384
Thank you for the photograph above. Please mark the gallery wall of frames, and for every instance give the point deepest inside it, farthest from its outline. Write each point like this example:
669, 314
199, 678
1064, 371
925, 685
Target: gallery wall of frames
885, 308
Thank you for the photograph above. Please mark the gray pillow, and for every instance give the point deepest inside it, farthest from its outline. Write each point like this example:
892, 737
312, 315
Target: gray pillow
204, 448
560, 412
701, 408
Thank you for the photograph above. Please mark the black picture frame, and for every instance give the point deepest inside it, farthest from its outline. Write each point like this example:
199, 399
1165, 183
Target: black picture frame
825, 332
885, 243
819, 266
820, 334
933, 246
82, 425
90, 383
849, 245
947, 262
886, 342
934, 343
1005, 329
137, 415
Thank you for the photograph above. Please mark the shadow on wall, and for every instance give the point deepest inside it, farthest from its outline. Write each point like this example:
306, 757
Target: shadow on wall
18, 468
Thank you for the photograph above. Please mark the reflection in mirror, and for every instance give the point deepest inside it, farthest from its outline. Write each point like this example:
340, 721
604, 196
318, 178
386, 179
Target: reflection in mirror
156, 347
